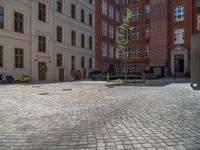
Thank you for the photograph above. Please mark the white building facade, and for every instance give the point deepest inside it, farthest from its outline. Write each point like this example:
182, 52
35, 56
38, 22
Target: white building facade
52, 40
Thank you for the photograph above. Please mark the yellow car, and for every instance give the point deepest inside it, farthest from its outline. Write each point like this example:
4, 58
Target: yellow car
22, 78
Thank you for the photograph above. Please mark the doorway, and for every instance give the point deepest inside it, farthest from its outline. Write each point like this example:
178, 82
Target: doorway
61, 74
179, 64
84, 74
42, 69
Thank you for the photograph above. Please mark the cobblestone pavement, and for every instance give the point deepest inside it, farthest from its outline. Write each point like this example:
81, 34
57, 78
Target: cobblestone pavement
92, 116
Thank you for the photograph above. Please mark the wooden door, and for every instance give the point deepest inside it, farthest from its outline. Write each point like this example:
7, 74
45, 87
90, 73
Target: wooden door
61, 74
42, 69
84, 74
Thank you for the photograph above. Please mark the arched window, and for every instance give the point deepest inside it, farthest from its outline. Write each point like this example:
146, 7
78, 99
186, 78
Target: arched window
179, 13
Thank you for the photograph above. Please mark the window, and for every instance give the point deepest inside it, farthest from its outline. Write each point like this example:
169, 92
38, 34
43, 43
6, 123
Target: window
117, 16
73, 38
19, 58
59, 34
19, 22
147, 50
104, 7
90, 43
179, 13
1, 56
198, 22
136, 14
111, 32
90, 63
111, 12
135, 1
117, 53
111, 53
136, 52
73, 62
104, 28
136, 68
124, 16
82, 16
42, 43
1, 17
59, 60
82, 40
82, 62
42, 12
198, 3
124, 2
179, 36
90, 19
147, 31
104, 49
147, 11
125, 54
73, 11
90, 1
59, 6
136, 33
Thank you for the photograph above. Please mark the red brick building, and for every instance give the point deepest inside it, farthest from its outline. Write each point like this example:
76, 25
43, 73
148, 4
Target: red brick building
161, 35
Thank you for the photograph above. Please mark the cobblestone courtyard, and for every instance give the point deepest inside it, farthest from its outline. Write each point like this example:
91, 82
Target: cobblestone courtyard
92, 116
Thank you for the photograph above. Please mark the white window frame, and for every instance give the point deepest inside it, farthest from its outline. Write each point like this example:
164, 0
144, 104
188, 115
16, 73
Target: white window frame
104, 28
179, 36
179, 13
147, 50
198, 22
104, 49
147, 11
136, 33
104, 7
136, 68
136, 14
111, 32
111, 12
147, 31
111, 51
136, 52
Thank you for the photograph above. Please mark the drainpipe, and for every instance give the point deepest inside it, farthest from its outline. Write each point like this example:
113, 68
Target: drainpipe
30, 40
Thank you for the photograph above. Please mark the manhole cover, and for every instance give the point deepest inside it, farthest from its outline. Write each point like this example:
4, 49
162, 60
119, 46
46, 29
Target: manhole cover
43, 93
67, 89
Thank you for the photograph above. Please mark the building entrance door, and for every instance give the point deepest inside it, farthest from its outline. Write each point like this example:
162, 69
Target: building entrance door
179, 64
84, 74
61, 74
42, 69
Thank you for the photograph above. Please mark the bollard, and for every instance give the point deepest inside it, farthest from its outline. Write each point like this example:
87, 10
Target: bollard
108, 78
143, 77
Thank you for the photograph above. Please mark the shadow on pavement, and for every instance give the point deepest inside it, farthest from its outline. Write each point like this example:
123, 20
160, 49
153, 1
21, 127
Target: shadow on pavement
166, 81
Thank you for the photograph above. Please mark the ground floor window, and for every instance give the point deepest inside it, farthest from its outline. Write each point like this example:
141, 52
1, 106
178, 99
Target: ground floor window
19, 58
1, 56
198, 22
82, 62
136, 68
73, 59
59, 60
90, 63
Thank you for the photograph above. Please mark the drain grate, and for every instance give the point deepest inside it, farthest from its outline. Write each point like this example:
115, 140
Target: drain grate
35, 86
43, 93
67, 89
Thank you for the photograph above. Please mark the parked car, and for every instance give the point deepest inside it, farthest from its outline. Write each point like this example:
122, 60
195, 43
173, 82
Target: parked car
96, 75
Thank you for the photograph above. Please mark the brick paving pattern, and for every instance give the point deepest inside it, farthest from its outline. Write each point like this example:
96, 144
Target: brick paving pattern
91, 116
